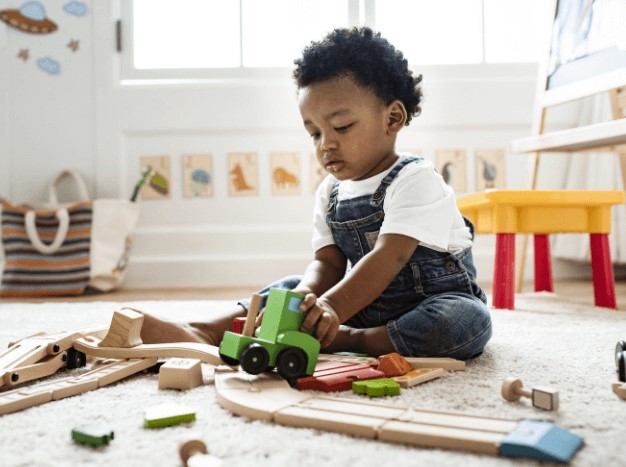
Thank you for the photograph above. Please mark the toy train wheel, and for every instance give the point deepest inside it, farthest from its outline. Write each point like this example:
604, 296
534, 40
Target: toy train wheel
292, 363
620, 360
254, 359
228, 360
75, 359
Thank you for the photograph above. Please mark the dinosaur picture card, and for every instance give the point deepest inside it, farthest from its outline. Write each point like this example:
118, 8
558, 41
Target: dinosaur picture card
285, 173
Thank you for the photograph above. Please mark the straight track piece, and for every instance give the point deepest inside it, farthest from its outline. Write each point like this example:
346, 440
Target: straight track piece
33, 349
268, 397
204, 352
23, 398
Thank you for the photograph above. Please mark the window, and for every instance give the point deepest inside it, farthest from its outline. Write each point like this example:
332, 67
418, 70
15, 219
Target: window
187, 38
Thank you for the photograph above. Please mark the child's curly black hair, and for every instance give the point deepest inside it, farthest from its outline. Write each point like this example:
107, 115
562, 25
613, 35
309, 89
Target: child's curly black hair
369, 58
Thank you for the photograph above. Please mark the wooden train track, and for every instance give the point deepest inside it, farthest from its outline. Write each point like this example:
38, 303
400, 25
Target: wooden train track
268, 397
204, 352
107, 373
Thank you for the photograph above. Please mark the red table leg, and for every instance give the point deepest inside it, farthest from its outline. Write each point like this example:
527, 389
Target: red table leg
504, 272
602, 270
543, 267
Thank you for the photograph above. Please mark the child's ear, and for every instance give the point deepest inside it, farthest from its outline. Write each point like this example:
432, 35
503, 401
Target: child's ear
396, 116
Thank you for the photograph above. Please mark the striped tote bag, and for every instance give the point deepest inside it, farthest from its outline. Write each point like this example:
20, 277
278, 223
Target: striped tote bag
65, 250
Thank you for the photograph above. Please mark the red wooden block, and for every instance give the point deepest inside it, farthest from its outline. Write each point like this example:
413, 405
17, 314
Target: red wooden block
238, 324
339, 378
393, 364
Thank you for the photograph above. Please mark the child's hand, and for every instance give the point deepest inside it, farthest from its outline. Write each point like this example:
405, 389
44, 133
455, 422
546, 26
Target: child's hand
321, 315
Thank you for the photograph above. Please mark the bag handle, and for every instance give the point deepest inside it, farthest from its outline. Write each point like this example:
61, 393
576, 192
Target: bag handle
41, 247
78, 180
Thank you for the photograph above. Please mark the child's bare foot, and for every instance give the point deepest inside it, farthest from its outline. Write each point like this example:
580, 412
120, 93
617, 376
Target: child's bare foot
157, 330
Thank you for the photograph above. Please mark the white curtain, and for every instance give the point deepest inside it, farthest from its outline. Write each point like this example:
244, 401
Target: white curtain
593, 171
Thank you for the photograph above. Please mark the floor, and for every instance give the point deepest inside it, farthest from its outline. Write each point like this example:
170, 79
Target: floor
579, 290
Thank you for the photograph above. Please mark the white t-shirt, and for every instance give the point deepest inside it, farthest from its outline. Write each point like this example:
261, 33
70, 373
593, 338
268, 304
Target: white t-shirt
418, 204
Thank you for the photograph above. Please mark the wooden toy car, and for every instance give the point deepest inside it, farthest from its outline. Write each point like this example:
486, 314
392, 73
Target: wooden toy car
277, 343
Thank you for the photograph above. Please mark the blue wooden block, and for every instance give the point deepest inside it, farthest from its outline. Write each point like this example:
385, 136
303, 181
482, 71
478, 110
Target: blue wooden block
533, 439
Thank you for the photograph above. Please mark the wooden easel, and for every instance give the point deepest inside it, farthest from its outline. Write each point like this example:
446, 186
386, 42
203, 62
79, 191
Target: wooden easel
606, 136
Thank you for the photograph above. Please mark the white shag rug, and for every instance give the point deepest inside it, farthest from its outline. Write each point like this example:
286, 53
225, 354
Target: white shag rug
546, 341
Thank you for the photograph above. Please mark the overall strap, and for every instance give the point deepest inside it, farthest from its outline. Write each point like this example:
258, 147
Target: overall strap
379, 195
332, 200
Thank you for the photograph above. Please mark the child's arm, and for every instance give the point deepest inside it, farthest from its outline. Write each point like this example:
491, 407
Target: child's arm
366, 281
326, 270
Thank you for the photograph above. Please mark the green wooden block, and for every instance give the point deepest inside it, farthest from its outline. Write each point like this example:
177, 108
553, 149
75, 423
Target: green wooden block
377, 387
168, 415
94, 435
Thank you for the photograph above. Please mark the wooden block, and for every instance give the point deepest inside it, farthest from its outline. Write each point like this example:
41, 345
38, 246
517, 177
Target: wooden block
125, 330
167, 415
94, 435
449, 364
238, 323
420, 375
338, 380
180, 373
377, 387
393, 364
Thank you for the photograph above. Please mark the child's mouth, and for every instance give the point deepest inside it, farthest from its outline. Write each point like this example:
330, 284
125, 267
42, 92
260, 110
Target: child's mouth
332, 166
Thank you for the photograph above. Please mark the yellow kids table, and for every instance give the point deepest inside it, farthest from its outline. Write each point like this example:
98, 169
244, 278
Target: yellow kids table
508, 212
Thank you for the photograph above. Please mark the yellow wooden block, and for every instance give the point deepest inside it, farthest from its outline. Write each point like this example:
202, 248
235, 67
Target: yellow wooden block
541, 211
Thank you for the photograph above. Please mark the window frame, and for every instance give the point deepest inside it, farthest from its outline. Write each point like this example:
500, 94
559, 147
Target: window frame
360, 12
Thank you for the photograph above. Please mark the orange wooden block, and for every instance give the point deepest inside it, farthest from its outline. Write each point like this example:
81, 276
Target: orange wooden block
393, 364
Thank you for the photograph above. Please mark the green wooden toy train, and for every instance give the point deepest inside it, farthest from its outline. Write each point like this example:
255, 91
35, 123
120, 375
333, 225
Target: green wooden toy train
277, 343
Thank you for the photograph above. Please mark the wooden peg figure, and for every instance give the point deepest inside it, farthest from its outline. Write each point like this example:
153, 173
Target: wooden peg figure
541, 397
195, 454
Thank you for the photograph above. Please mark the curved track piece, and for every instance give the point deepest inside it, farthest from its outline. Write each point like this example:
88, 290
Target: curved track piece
268, 397
204, 352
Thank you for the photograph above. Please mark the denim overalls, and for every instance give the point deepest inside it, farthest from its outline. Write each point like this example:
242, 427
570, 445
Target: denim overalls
433, 307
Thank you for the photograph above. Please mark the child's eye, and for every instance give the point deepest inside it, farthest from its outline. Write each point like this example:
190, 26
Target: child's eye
344, 128
315, 135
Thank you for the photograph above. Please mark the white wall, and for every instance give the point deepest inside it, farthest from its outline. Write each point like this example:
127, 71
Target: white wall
85, 119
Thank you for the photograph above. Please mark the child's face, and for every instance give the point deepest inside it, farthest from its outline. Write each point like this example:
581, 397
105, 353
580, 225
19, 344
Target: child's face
349, 126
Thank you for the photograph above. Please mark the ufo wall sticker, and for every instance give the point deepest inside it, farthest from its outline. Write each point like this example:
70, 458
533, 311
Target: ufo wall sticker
30, 17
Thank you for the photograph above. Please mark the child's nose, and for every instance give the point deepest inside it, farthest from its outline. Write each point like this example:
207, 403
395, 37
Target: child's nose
328, 143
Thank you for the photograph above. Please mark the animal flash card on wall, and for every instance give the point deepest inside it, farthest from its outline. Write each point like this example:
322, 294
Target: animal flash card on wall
285, 173
451, 164
489, 168
159, 185
197, 176
244, 174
